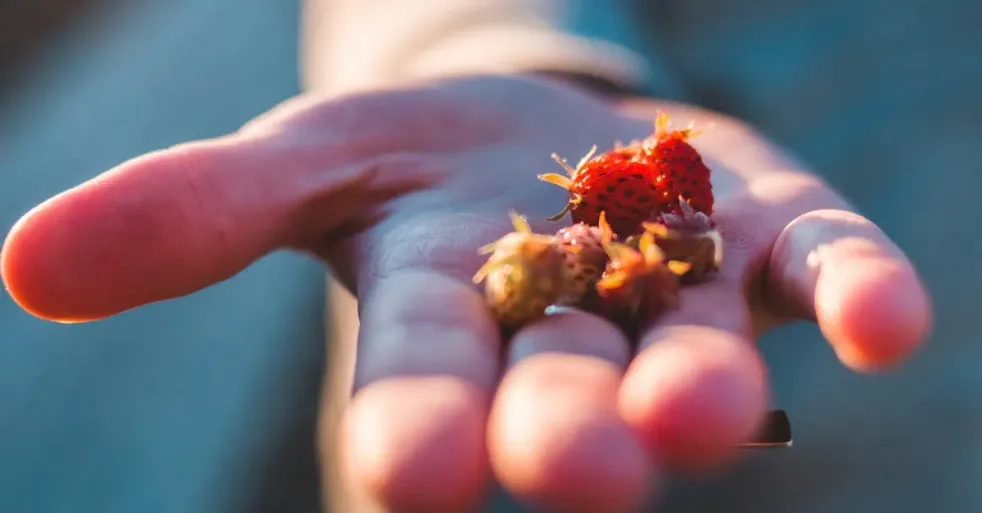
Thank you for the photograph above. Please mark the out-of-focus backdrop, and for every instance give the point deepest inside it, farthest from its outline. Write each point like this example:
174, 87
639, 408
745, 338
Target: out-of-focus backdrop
181, 406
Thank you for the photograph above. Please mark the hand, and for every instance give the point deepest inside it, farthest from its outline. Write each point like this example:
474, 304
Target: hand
396, 190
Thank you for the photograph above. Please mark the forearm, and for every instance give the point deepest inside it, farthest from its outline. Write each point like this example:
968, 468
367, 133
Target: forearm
354, 45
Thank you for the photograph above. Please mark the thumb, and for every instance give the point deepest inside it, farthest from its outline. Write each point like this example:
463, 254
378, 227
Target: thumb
171, 222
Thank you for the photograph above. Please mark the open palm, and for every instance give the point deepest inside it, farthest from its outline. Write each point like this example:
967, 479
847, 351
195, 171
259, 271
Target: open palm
396, 190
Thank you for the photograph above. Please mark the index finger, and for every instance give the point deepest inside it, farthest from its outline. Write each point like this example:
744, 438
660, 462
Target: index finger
158, 226
173, 221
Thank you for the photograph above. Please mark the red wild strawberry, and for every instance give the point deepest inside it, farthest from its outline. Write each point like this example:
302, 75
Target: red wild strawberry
582, 245
523, 275
633, 182
612, 183
640, 281
691, 237
677, 167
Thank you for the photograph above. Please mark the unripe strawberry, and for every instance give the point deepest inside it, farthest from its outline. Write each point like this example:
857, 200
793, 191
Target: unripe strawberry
523, 275
690, 237
641, 282
585, 260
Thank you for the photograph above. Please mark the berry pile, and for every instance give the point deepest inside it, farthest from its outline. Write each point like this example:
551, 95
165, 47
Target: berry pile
641, 227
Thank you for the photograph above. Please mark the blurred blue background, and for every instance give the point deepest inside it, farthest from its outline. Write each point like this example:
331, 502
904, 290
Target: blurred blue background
195, 407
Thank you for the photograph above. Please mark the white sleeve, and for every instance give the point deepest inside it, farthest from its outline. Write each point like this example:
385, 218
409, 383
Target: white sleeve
360, 44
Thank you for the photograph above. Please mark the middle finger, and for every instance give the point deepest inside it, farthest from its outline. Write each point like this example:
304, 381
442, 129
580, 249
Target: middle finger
555, 436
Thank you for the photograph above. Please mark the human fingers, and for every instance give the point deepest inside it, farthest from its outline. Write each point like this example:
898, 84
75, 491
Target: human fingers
839, 269
555, 437
413, 436
697, 388
173, 221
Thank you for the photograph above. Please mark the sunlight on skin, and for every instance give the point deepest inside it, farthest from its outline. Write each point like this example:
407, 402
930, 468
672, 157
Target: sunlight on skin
417, 435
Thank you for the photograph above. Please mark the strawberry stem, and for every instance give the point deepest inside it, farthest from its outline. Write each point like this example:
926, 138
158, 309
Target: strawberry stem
562, 213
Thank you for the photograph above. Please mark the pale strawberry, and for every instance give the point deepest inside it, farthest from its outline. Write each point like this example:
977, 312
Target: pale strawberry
523, 276
585, 260
691, 237
640, 282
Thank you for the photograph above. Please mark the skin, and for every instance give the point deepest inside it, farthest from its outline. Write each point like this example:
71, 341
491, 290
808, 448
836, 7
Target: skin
396, 189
